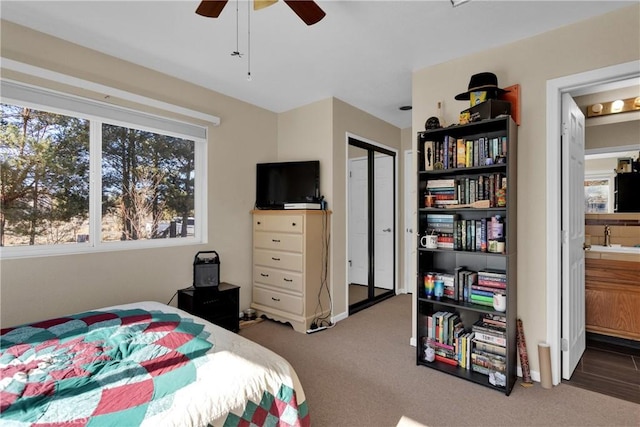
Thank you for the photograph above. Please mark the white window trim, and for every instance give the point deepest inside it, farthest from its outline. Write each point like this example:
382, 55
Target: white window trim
43, 73
28, 95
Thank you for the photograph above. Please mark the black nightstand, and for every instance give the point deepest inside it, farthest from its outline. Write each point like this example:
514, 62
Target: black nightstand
220, 305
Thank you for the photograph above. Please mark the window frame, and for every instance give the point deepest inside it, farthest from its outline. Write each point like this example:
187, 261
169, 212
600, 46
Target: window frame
602, 175
95, 244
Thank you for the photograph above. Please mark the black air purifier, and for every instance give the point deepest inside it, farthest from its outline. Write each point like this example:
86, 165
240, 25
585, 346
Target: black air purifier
206, 270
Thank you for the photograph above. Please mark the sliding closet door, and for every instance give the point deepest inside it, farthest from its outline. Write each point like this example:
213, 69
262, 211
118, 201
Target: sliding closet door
371, 224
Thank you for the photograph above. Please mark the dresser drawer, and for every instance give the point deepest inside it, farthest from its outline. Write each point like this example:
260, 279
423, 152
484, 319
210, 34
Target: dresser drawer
278, 241
278, 278
276, 259
289, 303
281, 223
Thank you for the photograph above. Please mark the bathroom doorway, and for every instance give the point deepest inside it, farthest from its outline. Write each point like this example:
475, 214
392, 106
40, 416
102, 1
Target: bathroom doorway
558, 307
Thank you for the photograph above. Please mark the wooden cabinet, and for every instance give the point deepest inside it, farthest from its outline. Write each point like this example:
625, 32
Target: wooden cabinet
475, 257
290, 266
612, 298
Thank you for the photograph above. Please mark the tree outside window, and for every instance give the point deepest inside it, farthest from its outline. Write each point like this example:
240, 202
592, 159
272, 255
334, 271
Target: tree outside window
147, 180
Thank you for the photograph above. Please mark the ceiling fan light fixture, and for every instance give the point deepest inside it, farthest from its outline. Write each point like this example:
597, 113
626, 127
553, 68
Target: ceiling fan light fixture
261, 4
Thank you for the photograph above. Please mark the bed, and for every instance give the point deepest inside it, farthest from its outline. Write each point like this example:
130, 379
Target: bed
145, 364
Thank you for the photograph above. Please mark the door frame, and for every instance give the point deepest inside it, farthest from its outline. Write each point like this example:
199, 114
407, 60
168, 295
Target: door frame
409, 247
575, 84
349, 135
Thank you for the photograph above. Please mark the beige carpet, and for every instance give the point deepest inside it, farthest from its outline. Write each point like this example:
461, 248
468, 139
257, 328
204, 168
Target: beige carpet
363, 372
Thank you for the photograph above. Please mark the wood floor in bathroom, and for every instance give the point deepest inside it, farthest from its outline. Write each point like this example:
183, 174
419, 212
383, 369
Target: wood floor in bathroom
610, 367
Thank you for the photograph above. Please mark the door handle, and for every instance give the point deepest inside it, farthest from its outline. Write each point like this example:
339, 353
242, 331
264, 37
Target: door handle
387, 230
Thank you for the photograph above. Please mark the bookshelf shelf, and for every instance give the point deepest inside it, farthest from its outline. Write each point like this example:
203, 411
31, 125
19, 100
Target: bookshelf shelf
475, 256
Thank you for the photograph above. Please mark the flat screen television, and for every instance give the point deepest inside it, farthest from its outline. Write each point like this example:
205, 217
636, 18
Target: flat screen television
287, 182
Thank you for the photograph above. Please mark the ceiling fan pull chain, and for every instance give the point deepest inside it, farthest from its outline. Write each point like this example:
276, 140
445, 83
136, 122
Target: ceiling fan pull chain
248, 43
237, 28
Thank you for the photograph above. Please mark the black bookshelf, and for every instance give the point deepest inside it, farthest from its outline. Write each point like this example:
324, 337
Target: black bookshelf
447, 260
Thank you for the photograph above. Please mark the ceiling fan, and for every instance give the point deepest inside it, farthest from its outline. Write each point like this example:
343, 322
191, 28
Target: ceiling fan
307, 10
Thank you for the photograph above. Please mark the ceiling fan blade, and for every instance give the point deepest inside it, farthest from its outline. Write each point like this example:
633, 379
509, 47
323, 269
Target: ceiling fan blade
307, 10
261, 4
211, 8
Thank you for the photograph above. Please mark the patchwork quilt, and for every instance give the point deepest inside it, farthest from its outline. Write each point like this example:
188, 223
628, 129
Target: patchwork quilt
142, 364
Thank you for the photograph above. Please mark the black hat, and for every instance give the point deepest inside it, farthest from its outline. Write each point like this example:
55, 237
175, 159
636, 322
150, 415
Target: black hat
482, 82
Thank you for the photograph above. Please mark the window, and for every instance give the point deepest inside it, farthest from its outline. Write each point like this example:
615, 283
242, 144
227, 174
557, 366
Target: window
598, 193
77, 175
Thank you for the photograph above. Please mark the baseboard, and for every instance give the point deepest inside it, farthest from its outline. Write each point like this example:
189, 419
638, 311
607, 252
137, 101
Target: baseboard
339, 317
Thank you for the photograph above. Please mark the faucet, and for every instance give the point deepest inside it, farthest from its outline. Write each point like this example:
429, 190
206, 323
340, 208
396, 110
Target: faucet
607, 235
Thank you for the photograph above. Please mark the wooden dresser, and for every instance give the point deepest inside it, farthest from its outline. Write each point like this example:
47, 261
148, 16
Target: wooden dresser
290, 265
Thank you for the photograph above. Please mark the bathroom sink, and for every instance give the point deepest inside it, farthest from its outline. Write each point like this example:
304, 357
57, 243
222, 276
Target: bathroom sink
615, 248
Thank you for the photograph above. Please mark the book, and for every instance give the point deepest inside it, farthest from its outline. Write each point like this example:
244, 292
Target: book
428, 155
490, 338
461, 150
480, 326
447, 360
490, 348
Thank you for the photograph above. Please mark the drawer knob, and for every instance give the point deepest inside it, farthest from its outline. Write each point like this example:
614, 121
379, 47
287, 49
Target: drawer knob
259, 223
288, 280
275, 240
275, 299
275, 259
264, 275
293, 224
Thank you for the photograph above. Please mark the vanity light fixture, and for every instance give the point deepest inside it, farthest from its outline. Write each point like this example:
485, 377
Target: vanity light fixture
614, 107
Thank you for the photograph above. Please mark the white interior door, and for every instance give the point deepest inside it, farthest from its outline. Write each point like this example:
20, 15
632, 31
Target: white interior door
573, 293
358, 222
409, 200
384, 225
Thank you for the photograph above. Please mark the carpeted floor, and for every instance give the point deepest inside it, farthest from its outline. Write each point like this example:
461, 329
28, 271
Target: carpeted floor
363, 372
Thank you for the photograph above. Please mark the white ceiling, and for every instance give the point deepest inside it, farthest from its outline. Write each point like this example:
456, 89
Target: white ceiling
362, 52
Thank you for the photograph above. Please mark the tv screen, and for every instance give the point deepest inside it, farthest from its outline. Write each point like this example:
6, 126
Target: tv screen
287, 182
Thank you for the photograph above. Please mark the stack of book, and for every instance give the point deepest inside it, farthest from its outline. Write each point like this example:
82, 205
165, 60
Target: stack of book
450, 291
444, 191
444, 332
489, 352
442, 225
489, 282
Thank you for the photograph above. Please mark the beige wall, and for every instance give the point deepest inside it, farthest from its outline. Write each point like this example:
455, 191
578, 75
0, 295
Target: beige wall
347, 119
305, 134
603, 41
37, 288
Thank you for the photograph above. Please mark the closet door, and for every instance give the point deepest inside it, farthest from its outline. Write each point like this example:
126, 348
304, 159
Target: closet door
371, 209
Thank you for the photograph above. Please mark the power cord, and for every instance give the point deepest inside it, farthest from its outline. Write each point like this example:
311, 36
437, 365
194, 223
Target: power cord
322, 321
174, 295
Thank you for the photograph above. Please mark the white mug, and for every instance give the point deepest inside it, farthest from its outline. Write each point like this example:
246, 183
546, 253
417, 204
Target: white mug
429, 241
499, 302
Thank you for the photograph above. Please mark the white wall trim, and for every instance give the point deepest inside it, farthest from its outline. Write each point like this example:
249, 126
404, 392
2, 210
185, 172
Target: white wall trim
555, 89
43, 73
